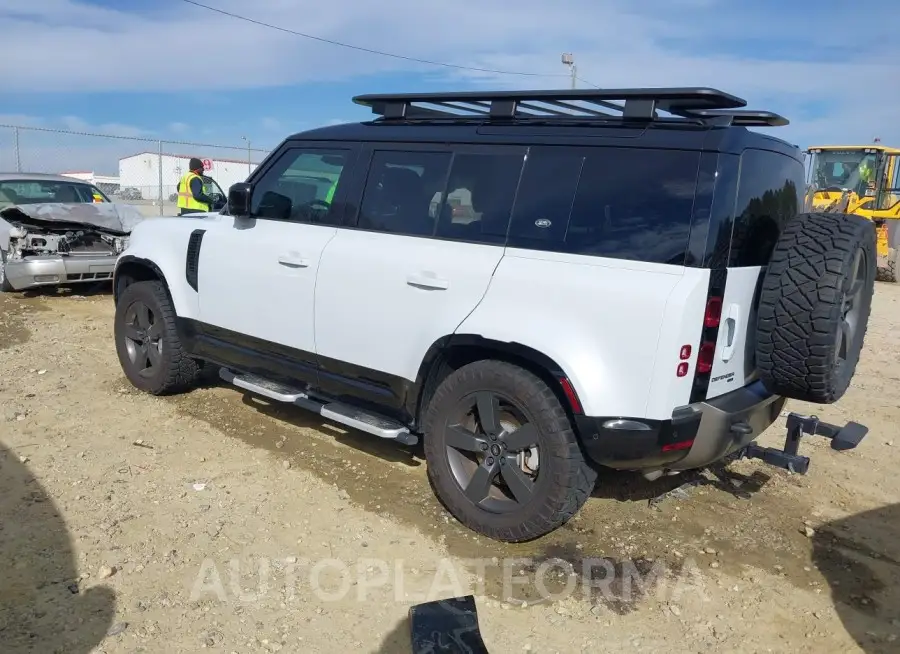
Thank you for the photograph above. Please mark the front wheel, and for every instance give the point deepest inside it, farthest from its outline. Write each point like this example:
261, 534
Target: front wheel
5, 286
502, 456
147, 342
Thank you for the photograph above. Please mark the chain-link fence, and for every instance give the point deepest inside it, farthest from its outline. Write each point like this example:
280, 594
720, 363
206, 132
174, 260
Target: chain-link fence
129, 169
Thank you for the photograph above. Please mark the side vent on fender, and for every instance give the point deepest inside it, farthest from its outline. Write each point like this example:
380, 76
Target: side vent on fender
192, 264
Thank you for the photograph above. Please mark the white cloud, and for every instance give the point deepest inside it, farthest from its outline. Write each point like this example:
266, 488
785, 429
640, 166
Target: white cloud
178, 127
784, 64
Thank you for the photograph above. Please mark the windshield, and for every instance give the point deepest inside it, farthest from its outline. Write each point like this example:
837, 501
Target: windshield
844, 169
28, 191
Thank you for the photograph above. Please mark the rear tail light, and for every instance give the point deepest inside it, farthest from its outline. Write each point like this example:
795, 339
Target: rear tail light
676, 447
705, 356
713, 312
685, 352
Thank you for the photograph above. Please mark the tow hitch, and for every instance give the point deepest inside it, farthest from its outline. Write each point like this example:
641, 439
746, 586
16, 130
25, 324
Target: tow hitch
788, 458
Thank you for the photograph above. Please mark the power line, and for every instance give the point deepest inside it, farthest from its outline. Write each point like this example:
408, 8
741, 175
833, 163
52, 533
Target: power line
368, 50
584, 81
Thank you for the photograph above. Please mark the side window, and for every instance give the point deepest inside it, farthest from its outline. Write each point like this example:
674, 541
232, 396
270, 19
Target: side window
618, 203
480, 194
404, 192
300, 186
770, 193
545, 199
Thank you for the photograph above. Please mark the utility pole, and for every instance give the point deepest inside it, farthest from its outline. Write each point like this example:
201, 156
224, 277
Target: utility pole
249, 164
18, 157
569, 60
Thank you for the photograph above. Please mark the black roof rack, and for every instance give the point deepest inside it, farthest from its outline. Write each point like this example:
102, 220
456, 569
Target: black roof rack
695, 103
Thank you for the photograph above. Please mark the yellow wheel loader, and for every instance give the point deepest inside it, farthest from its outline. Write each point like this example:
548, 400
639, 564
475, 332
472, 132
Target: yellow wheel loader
862, 180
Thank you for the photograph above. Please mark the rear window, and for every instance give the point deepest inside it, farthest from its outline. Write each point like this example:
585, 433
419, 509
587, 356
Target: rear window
770, 193
38, 191
618, 203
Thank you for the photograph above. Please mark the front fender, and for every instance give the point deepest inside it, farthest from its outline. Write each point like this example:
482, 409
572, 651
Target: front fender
160, 245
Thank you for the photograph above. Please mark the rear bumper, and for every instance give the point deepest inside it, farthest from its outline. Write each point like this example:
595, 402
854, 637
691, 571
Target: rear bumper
696, 436
32, 272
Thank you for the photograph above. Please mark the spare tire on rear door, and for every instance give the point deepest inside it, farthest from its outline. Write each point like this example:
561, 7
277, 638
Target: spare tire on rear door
814, 306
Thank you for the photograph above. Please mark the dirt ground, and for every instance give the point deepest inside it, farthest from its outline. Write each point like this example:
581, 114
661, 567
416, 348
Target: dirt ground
217, 521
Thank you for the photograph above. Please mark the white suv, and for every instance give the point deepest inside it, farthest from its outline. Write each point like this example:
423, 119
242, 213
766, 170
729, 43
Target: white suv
536, 284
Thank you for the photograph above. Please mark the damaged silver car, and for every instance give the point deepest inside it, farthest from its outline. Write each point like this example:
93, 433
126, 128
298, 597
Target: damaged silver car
58, 230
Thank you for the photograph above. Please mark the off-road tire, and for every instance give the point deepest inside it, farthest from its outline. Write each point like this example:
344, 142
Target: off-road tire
178, 371
891, 271
802, 305
565, 480
5, 286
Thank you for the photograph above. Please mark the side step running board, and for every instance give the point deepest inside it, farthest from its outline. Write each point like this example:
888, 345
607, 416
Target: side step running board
336, 411
789, 458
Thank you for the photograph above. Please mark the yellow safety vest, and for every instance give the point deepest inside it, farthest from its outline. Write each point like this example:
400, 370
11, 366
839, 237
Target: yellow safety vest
185, 197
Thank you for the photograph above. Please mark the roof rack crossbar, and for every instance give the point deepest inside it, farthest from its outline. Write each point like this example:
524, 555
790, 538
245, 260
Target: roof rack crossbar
740, 117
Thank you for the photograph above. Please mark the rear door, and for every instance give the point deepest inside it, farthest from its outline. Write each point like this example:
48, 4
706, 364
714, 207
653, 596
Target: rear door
416, 261
770, 193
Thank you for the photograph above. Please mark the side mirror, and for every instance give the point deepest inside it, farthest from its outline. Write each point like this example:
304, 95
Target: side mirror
239, 199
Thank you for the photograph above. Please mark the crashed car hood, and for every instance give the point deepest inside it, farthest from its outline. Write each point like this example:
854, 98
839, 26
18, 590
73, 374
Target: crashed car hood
118, 218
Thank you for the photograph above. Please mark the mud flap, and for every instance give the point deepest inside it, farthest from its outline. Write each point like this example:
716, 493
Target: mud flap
449, 625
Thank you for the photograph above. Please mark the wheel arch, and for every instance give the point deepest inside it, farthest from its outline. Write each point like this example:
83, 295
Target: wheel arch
451, 352
130, 270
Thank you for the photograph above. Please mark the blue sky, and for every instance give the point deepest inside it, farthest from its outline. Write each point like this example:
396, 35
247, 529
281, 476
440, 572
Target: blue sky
162, 69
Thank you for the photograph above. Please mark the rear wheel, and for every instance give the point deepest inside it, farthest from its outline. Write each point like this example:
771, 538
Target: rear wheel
501, 453
814, 306
147, 342
891, 269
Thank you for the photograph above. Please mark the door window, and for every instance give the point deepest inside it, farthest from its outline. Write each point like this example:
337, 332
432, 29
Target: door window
464, 196
404, 192
300, 186
479, 198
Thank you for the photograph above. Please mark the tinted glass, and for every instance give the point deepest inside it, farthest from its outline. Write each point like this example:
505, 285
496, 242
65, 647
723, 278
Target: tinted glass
545, 198
480, 194
404, 192
300, 186
770, 193
620, 203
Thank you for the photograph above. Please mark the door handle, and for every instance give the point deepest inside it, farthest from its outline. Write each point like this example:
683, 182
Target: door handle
294, 261
427, 279
731, 327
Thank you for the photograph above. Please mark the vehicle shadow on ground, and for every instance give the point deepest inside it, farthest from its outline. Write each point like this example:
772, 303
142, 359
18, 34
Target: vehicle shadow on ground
75, 290
629, 486
860, 558
42, 609
380, 448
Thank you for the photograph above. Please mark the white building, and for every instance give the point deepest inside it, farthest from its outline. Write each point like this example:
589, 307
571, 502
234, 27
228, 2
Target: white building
142, 172
105, 183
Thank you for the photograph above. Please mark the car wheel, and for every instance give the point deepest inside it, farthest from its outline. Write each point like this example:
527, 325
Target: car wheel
147, 342
502, 456
5, 286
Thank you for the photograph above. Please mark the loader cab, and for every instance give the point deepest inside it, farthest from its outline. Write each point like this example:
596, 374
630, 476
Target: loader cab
842, 178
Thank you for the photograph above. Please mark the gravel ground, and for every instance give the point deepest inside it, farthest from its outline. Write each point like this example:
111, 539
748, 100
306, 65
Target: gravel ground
217, 521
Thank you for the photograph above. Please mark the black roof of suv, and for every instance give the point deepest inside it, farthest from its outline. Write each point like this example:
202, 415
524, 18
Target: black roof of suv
676, 118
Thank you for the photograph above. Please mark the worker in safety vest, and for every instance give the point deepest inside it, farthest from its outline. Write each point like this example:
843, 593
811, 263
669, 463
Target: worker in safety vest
192, 197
